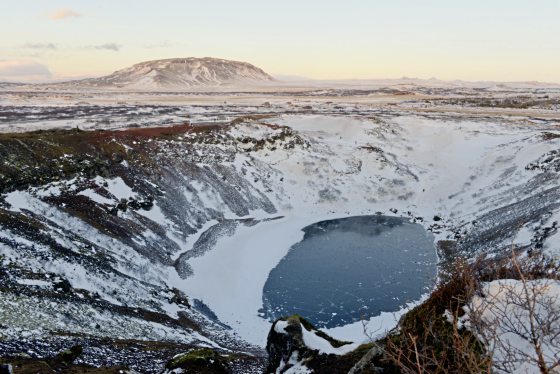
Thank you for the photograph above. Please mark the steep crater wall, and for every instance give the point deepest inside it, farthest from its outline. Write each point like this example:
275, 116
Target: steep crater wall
103, 226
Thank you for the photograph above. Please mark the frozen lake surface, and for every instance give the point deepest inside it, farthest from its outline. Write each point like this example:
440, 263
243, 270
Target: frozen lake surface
352, 268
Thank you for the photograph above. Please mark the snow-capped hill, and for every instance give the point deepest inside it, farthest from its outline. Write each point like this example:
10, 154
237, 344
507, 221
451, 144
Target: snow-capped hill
182, 73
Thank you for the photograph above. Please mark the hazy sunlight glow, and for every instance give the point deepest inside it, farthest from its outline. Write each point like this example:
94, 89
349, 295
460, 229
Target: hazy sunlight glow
502, 40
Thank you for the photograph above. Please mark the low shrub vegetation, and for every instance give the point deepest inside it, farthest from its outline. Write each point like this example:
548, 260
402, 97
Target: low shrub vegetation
464, 327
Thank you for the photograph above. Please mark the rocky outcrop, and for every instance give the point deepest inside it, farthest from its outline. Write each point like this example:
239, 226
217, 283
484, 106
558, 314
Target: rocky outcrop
213, 361
294, 344
204, 361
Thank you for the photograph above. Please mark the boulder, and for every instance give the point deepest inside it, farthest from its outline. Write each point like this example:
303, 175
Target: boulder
294, 345
203, 361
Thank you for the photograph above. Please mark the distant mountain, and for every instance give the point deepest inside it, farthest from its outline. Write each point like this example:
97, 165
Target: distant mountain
180, 73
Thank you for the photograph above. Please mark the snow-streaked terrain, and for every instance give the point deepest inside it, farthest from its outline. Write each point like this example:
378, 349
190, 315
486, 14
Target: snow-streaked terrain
230, 201
337, 176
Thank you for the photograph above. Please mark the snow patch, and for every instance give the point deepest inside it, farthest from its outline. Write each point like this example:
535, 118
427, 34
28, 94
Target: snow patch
33, 282
94, 196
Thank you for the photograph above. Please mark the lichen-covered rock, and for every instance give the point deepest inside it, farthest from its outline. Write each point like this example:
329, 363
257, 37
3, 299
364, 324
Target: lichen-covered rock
204, 361
285, 342
68, 356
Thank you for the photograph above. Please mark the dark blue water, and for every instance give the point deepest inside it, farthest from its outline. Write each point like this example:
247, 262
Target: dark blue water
349, 269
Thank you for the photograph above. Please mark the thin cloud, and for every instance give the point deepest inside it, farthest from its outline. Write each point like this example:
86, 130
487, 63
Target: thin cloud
50, 46
107, 46
23, 70
64, 14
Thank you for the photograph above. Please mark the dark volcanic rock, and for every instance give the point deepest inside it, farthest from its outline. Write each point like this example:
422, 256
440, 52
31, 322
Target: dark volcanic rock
286, 346
204, 361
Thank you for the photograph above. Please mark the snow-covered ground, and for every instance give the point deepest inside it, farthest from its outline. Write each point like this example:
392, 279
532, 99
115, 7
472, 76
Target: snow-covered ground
454, 169
229, 204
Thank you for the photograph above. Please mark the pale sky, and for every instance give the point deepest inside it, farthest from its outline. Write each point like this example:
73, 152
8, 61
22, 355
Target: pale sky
505, 40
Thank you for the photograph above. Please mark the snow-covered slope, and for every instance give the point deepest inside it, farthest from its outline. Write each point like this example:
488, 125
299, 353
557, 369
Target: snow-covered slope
181, 73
